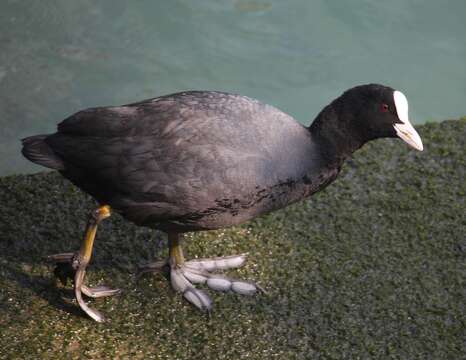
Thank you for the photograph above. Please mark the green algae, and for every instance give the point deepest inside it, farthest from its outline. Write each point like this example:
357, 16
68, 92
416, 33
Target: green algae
372, 267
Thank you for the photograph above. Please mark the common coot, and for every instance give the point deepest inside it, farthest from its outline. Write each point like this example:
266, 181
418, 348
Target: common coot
201, 160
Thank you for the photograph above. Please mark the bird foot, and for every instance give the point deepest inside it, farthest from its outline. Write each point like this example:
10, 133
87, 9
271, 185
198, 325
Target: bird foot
70, 266
202, 271
99, 291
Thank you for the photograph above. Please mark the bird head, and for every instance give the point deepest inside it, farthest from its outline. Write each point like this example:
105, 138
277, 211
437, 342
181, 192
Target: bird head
361, 114
375, 111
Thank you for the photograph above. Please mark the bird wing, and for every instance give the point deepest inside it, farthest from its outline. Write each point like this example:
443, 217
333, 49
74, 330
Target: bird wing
183, 151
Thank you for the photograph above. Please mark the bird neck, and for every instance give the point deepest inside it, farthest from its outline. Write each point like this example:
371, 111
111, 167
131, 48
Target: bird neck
332, 131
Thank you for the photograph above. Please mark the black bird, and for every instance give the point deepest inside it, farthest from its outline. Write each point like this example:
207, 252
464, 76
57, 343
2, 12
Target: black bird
201, 160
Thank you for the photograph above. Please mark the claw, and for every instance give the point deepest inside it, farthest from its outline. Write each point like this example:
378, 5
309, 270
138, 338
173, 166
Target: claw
78, 282
99, 291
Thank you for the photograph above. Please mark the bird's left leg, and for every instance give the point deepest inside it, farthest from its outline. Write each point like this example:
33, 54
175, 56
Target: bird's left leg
74, 265
183, 274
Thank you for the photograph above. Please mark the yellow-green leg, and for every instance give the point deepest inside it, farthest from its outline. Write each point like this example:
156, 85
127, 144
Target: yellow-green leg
175, 249
79, 262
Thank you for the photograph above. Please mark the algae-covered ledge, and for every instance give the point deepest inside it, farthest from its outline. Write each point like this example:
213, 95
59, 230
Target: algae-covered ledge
371, 267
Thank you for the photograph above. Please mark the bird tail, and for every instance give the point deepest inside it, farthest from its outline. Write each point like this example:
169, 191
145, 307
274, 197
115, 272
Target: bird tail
36, 149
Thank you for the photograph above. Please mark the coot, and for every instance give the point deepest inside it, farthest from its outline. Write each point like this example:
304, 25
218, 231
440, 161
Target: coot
201, 160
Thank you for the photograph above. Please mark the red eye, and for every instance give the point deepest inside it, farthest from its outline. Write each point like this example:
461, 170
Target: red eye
384, 107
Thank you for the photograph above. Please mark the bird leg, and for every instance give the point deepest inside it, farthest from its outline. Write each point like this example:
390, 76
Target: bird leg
73, 265
200, 271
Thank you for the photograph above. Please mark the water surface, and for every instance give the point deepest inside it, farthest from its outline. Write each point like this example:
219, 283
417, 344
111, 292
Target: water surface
57, 57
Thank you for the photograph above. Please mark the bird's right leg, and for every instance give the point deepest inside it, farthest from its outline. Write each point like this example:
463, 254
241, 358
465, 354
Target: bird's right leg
73, 265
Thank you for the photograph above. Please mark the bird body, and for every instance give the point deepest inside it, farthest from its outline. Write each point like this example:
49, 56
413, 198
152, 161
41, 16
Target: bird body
190, 161
201, 160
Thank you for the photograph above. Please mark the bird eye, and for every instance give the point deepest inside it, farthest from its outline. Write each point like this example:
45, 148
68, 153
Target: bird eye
384, 107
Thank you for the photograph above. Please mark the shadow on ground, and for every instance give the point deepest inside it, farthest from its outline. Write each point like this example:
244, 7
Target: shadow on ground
373, 267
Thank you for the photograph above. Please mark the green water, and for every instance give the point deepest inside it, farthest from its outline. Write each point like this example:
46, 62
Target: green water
57, 57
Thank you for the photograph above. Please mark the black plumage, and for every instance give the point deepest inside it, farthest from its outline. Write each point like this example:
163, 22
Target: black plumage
188, 161
199, 160
202, 160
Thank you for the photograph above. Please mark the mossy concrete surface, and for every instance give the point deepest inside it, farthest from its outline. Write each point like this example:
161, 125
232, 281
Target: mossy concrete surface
373, 267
